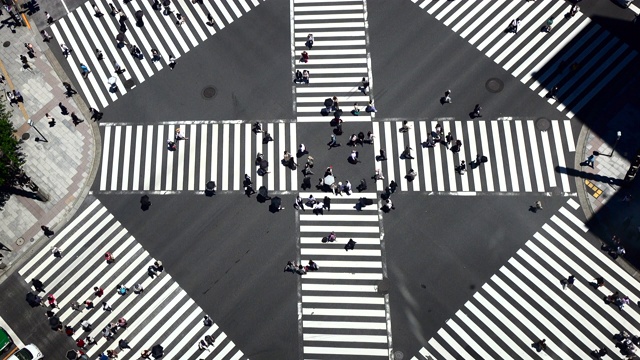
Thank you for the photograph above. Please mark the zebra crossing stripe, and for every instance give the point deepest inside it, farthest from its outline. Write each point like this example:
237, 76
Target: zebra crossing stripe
511, 157
484, 140
464, 180
353, 325
533, 144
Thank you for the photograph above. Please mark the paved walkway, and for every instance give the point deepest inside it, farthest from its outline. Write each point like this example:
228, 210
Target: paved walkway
63, 167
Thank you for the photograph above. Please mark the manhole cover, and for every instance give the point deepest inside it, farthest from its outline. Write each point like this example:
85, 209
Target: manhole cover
26, 136
398, 355
209, 92
543, 124
20, 241
383, 286
494, 85
6, 43
129, 84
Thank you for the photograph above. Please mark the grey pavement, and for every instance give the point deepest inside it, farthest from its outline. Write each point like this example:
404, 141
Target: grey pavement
64, 166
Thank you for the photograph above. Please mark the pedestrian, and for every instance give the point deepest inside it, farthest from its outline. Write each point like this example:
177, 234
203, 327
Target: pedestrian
364, 85
353, 157
151, 271
95, 114
370, 107
203, 345
304, 57
65, 50
393, 186
542, 344
97, 11
106, 306
18, 95
569, 282
98, 291
123, 344
52, 301
56, 252
388, 206
553, 94
383, 155
266, 138
207, 320
574, 10
356, 109
291, 267
298, 204
75, 119
69, 90
590, 161
302, 149
326, 203
118, 69
69, 330
309, 42
458, 146
158, 266
378, 175
307, 170
549, 24
30, 50
172, 62
448, 139
49, 18
347, 187
333, 142
538, 205
155, 55
146, 354
598, 282
447, 97
113, 10
411, 175
179, 19
84, 70
122, 290
75, 306
86, 325
210, 21
47, 232
351, 245
463, 167
305, 76
406, 154
109, 258
38, 285
300, 270
89, 304
81, 343
476, 111
478, 160
45, 36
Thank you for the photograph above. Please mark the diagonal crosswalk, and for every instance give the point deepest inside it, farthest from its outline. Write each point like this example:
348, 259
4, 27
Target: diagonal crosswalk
338, 59
578, 55
343, 313
526, 301
162, 314
84, 32
136, 158
521, 158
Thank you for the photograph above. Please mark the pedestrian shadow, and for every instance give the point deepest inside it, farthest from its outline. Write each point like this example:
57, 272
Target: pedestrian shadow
589, 176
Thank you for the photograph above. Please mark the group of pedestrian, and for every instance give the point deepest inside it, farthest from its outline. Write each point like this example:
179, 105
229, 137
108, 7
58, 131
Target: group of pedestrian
294, 268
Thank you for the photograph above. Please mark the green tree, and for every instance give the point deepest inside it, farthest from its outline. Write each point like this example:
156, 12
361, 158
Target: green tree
11, 157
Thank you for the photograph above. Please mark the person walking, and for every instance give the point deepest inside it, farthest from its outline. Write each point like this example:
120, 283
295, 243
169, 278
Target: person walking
52, 301
447, 97
49, 18
38, 285
179, 19
47, 232
326, 203
309, 42
590, 161
406, 154
298, 204
106, 307
118, 69
75, 119
448, 139
549, 24
364, 85
45, 36
463, 167
98, 291
84, 70
476, 111
57, 253
383, 155
123, 344
333, 142
210, 21
86, 325
65, 50
304, 57
568, 282
96, 10
172, 62
68, 89
96, 114
109, 258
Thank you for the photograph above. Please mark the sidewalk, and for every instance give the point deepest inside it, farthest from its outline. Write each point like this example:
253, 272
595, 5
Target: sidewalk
64, 167
601, 190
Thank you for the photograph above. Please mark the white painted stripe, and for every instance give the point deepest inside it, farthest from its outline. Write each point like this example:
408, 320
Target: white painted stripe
423, 133
440, 349
464, 179
144, 44
202, 22
193, 20
564, 178
193, 136
190, 339
484, 140
444, 12
435, 6
437, 153
332, 43
479, 33
245, 6
450, 164
475, 20
330, 34
461, 9
340, 252
126, 160
472, 18
146, 185
115, 157
163, 34
258, 141
234, 8
343, 300
495, 131
225, 157
473, 149
359, 240
182, 150
574, 219
350, 207
337, 218
350, 199
328, 8
351, 276
223, 353
338, 287
571, 146
361, 71
214, 154
202, 168
402, 168
508, 340
105, 158
334, 16
339, 229
546, 150
237, 177
224, 11
345, 338
573, 204
522, 149
468, 340
344, 325
271, 158
319, 1
326, 89
320, 99
329, 25
216, 18
533, 145
292, 137
160, 149
136, 159
324, 120
248, 153
170, 155
342, 312
282, 146
346, 351
528, 324
451, 342
239, 354
376, 151
351, 264
413, 164
178, 330
327, 80
513, 169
